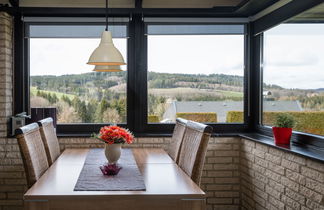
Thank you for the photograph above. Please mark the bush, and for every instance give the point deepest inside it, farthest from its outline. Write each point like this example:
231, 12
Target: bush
153, 119
199, 117
308, 122
284, 120
234, 117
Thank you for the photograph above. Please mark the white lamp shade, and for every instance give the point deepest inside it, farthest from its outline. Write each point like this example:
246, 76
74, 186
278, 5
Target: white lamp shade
107, 68
106, 53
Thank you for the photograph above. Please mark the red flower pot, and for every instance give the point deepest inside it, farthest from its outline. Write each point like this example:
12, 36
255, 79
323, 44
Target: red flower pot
282, 135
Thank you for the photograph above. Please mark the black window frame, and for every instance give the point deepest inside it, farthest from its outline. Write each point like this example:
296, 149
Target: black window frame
298, 137
217, 127
136, 85
258, 27
72, 129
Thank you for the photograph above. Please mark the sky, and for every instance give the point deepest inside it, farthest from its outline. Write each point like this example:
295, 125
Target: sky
196, 54
293, 55
65, 55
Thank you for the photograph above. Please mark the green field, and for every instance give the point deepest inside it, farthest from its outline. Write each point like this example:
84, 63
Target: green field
230, 93
168, 92
172, 92
33, 91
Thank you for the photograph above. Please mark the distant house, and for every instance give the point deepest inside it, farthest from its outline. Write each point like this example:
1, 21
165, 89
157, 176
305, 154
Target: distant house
222, 107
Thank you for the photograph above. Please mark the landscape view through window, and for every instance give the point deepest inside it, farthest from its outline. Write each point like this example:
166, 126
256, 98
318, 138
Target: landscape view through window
294, 75
60, 78
209, 84
196, 77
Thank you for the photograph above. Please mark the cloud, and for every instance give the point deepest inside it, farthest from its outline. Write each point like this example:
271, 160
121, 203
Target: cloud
295, 77
300, 59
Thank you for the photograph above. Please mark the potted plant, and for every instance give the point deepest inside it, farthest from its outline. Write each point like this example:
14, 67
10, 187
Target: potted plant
283, 128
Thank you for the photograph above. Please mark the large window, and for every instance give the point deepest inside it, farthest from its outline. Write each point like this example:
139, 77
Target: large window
192, 70
60, 77
293, 75
195, 72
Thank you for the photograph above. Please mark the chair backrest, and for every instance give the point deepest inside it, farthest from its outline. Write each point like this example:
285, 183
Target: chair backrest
193, 149
176, 140
50, 140
32, 152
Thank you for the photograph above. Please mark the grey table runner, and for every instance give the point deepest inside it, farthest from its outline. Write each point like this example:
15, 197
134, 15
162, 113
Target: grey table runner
92, 179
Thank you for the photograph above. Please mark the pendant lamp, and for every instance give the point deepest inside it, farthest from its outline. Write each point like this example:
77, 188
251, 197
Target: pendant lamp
106, 54
107, 68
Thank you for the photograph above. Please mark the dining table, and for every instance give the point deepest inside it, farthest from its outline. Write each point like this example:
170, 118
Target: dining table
168, 187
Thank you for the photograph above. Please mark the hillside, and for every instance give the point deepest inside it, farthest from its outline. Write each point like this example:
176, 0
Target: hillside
73, 83
101, 97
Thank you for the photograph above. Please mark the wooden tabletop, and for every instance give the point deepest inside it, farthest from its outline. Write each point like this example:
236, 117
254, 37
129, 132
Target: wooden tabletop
161, 175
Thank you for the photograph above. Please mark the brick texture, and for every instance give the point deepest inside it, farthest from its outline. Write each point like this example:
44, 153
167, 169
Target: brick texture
6, 51
273, 179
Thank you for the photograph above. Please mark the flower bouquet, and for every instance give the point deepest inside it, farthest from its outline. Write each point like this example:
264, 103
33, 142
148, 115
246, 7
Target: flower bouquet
113, 136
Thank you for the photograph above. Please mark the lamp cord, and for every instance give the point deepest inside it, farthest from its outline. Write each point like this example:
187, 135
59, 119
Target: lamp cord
106, 15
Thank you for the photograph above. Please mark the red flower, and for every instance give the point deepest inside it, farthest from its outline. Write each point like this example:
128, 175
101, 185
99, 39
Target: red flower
115, 135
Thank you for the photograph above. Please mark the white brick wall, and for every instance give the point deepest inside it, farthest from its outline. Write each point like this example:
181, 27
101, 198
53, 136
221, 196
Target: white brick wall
273, 179
6, 34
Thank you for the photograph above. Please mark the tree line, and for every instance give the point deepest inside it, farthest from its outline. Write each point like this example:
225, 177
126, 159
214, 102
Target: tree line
77, 110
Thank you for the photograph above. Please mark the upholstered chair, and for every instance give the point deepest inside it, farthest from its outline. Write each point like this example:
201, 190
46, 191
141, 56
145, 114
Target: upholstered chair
193, 149
50, 140
176, 140
32, 151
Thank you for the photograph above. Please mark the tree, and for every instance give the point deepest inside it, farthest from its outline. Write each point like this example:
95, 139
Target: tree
111, 116
49, 98
76, 102
120, 106
54, 99
39, 102
91, 110
160, 110
66, 113
101, 108
82, 111
66, 99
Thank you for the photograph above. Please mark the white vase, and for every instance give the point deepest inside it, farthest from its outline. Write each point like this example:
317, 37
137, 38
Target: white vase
112, 152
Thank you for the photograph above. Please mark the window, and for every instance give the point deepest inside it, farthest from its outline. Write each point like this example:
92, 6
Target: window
195, 72
293, 75
210, 80
60, 77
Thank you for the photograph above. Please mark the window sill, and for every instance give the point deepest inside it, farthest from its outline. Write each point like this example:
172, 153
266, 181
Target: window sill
299, 149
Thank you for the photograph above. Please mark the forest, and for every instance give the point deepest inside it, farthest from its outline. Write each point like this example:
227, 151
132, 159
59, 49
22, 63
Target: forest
101, 97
